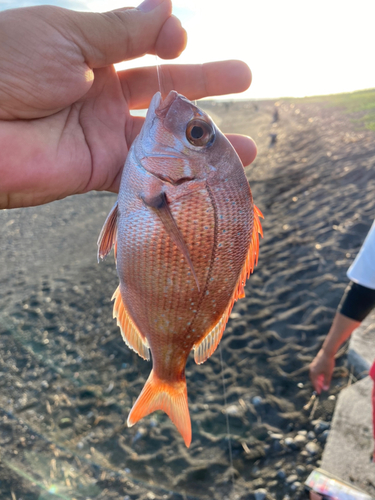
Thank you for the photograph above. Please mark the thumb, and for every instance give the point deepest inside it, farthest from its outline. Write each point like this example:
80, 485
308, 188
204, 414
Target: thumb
111, 37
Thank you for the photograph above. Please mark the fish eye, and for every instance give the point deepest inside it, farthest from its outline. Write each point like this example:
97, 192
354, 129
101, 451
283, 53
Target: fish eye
199, 132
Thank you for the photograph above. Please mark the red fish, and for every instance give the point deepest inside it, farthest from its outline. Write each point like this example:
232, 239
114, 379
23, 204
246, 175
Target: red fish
185, 231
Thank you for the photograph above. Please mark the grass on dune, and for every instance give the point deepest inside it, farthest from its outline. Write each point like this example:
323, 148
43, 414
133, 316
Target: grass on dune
362, 101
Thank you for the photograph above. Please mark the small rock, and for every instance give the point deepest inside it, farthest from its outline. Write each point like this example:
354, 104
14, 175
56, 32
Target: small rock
289, 441
80, 445
303, 432
257, 400
301, 470
110, 388
296, 486
260, 494
276, 437
311, 435
299, 440
44, 384
291, 479
324, 436
65, 422
313, 448
277, 446
320, 426
281, 474
142, 431
232, 410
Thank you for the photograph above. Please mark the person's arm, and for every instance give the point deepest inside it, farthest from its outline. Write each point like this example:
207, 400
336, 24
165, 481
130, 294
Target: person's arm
65, 122
322, 366
355, 305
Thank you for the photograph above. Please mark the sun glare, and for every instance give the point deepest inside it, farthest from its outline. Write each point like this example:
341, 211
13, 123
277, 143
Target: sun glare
293, 48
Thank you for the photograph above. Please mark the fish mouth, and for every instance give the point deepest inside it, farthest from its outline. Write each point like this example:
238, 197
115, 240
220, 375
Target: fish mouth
158, 109
164, 106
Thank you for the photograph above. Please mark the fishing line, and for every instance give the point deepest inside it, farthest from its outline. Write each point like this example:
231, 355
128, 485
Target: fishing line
226, 416
160, 75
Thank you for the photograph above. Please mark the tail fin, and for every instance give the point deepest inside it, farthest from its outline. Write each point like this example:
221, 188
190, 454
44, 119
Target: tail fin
170, 397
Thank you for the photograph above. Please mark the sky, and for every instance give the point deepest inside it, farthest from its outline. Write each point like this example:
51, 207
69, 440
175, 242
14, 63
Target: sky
293, 47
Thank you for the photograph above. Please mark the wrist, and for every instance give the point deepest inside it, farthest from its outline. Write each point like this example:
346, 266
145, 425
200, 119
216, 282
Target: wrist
328, 351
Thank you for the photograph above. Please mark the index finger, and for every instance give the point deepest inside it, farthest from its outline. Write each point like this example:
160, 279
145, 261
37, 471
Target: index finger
194, 81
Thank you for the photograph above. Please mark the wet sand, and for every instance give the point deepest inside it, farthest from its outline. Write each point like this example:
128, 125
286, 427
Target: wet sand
67, 380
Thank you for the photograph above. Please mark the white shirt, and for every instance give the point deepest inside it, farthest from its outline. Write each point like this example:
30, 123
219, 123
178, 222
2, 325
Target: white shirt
362, 271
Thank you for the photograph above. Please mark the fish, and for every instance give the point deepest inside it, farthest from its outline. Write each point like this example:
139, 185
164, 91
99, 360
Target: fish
185, 233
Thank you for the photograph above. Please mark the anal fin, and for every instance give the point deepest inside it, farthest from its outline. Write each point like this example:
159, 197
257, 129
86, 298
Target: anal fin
130, 333
108, 234
207, 346
171, 397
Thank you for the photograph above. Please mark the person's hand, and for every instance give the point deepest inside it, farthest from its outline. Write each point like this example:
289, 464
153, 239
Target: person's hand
65, 126
321, 369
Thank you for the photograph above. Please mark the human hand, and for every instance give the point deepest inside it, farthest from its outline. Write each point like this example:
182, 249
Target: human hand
321, 369
65, 125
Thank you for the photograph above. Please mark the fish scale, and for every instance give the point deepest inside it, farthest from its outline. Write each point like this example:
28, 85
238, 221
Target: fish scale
185, 231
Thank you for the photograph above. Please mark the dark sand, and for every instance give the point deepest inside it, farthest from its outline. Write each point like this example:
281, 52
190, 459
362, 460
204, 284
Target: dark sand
67, 381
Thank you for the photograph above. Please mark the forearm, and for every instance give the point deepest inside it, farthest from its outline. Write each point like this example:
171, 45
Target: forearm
356, 303
341, 329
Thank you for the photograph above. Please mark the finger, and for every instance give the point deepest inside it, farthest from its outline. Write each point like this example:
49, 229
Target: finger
327, 381
110, 37
245, 147
171, 41
316, 379
192, 80
318, 385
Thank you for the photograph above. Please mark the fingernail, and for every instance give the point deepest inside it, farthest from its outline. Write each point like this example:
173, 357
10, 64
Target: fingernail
325, 387
149, 5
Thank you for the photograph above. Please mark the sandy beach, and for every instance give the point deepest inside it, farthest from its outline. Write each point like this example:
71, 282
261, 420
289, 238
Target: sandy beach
67, 380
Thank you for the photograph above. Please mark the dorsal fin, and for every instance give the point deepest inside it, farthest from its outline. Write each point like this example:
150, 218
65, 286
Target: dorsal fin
130, 333
207, 346
108, 234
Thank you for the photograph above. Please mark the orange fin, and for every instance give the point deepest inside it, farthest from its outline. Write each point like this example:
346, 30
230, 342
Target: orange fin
160, 206
108, 234
208, 345
130, 333
171, 397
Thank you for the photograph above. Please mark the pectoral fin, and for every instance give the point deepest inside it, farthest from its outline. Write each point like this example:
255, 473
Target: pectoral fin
159, 205
108, 234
